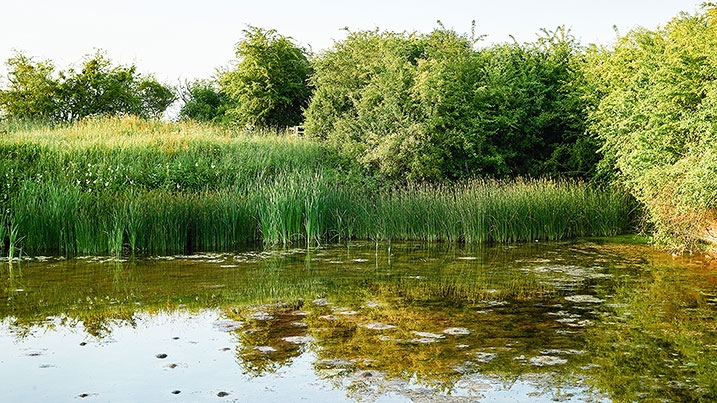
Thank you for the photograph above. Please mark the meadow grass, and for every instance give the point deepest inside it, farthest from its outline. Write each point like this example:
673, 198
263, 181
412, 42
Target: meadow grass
119, 185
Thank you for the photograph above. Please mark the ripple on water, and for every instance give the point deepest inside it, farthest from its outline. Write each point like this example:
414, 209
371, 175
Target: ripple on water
298, 339
484, 357
378, 326
547, 360
227, 325
429, 335
261, 316
456, 331
584, 299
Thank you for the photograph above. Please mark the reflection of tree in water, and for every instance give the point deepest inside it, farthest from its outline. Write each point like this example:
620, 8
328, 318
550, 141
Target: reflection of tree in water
437, 321
659, 341
269, 337
97, 323
368, 347
100, 324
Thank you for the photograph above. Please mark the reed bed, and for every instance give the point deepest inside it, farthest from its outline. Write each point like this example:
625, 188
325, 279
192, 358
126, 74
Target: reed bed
123, 185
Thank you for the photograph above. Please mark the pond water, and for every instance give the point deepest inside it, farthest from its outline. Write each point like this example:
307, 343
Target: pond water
591, 321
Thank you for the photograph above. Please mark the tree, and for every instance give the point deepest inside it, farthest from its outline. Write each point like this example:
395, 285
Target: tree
269, 86
204, 102
155, 97
32, 92
411, 107
654, 107
102, 89
98, 88
532, 107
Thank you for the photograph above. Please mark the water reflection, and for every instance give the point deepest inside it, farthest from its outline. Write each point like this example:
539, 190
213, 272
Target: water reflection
591, 321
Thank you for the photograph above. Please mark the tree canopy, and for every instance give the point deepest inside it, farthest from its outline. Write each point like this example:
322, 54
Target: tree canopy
654, 110
36, 91
415, 107
269, 85
203, 101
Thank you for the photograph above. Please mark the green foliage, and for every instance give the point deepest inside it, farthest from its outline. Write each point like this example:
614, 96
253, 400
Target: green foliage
532, 109
654, 108
102, 186
35, 92
413, 107
269, 85
204, 102
32, 91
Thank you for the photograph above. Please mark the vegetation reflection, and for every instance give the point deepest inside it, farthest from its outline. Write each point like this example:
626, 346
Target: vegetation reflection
623, 321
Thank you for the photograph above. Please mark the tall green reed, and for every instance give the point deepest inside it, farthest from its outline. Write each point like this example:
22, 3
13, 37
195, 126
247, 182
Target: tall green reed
13, 242
289, 211
116, 185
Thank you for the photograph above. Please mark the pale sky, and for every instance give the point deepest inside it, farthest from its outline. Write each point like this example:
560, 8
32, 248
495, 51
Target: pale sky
179, 40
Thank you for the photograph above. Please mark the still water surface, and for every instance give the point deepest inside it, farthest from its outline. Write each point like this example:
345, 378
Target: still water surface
592, 321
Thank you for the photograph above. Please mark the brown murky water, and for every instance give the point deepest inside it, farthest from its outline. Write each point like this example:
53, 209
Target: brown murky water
593, 321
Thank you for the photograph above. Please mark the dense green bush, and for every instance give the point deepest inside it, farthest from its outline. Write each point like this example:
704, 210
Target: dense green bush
203, 101
415, 107
268, 87
654, 109
37, 92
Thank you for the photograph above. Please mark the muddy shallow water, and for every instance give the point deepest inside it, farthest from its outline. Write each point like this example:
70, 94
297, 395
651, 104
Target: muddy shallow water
592, 321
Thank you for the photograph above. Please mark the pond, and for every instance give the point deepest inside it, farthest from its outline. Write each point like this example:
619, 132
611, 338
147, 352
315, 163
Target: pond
588, 321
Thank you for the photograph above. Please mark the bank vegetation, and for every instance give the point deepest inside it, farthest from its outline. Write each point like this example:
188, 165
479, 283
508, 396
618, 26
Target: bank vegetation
428, 136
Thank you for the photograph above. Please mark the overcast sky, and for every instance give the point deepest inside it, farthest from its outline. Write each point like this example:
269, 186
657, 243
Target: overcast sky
180, 40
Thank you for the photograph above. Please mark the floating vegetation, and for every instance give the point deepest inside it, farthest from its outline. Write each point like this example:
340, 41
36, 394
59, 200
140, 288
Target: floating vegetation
299, 339
543, 360
457, 331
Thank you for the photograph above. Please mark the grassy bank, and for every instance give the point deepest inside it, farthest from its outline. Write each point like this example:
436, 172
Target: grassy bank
116, 185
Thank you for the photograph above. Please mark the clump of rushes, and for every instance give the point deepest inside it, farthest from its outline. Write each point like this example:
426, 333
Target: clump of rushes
13, 244
113, 185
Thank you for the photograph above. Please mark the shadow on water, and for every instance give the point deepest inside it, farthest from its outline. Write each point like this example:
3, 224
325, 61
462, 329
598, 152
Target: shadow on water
591, 321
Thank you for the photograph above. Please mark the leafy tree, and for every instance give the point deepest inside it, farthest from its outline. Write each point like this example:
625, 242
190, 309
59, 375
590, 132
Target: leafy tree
98, 88
102, 89
269, 86
154, 97
204, 102
413, 107
654, 108
364, 106
32, 91
533, 112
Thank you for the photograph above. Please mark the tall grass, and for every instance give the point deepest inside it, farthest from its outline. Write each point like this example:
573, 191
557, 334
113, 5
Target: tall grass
117, 185
493, 211
289, 211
